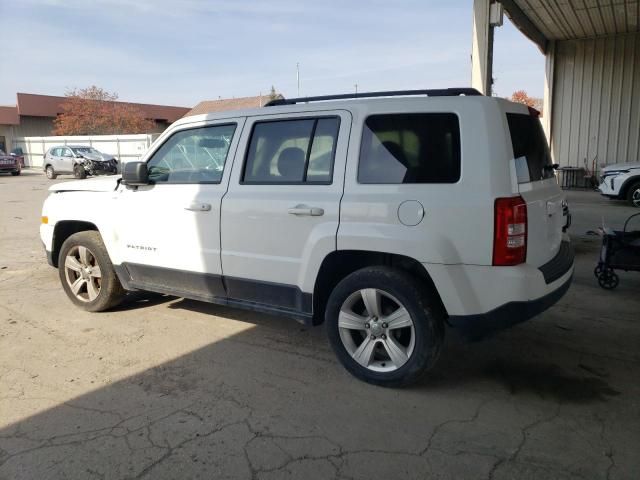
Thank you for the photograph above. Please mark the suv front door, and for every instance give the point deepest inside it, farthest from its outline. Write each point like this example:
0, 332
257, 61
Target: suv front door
280, 215
168, 232
65, 160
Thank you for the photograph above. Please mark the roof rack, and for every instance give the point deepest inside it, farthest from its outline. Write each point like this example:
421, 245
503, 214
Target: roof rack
438, 92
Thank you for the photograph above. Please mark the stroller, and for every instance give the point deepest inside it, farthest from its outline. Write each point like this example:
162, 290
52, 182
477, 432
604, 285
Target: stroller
620, 251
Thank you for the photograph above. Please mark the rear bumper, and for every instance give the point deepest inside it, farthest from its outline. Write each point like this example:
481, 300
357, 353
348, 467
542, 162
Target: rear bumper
507, 315
481, 299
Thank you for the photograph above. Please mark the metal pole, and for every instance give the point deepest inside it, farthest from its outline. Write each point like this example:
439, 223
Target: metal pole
489, 75
356, 86
298, 76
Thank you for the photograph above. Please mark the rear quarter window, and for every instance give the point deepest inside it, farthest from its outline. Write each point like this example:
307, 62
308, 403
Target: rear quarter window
530, 150
410, 148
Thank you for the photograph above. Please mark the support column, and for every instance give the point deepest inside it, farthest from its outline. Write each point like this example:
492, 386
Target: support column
482, 47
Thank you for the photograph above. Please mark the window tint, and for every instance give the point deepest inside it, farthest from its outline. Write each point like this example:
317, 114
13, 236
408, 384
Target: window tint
197, 155
292, 151
530, 149
410, 148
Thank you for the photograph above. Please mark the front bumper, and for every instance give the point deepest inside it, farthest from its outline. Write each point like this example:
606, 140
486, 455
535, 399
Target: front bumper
610, 185
109, 167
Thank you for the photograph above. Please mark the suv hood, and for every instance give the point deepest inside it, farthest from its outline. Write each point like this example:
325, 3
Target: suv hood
99, 184
97, 157
621, 166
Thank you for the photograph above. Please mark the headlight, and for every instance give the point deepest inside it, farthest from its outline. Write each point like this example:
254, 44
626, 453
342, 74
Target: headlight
610, 173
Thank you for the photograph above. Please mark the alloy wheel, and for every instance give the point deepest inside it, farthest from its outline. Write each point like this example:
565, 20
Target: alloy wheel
635, 197
376, 330
83, 274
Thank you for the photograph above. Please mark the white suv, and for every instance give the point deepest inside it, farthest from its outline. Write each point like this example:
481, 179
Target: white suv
385, 218
621, 181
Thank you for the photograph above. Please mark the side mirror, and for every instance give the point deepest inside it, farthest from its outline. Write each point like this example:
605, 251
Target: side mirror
135, 173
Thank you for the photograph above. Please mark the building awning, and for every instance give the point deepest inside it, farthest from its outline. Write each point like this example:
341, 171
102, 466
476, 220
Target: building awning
544, 20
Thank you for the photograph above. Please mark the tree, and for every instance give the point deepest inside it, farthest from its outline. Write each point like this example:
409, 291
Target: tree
521, 96
94, 111
273, 95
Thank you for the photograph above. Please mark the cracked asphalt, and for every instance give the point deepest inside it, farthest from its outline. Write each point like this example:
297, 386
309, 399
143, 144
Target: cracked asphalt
171, 388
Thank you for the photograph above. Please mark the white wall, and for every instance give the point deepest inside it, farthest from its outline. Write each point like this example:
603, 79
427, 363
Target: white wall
596, 101
124, 147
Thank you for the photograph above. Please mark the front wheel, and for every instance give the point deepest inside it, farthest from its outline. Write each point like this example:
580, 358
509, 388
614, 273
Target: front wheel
385, 327
87, 274
16, 173
79, 172
633, 195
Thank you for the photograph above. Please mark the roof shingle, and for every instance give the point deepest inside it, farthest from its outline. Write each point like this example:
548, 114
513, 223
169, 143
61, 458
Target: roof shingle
242, 103
30, 104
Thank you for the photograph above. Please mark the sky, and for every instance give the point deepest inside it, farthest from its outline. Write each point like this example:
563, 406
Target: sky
183, 52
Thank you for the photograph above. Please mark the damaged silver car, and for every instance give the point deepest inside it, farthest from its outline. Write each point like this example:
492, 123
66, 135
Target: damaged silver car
78, 160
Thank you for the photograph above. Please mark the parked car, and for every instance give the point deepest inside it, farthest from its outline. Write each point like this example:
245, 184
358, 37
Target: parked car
387, 219
621, 181
9, 164
19, 154
78, 160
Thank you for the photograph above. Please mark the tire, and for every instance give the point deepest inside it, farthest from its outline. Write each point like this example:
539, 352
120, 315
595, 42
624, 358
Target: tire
79, 172
608, 279
16, 173
633, 195
95, 293
598, 270
50, 173
420, 342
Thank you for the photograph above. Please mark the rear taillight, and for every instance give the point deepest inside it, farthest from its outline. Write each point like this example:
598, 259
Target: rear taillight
510, 231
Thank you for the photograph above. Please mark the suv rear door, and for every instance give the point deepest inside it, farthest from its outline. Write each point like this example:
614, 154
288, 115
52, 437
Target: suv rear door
537, 185
280, 214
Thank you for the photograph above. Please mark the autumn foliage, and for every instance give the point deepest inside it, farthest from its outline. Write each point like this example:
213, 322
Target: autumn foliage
520, 96
94, 111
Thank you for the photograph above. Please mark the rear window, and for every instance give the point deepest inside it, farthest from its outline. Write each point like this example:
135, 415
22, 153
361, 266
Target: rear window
410, 148
530, 149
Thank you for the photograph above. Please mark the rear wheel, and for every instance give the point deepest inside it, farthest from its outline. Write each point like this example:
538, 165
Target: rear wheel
384, 326
16, 173
50, 172
633, 195
87, 274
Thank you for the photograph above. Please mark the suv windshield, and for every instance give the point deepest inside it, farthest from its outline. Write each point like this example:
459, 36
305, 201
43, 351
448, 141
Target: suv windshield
530, 149
84, 150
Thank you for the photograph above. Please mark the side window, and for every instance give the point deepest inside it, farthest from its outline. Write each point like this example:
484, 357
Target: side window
66, 152
410, 148
292, 151
196, 155
56, 152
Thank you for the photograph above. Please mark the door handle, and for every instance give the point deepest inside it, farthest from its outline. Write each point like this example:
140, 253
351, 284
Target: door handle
199, 207
305, 210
